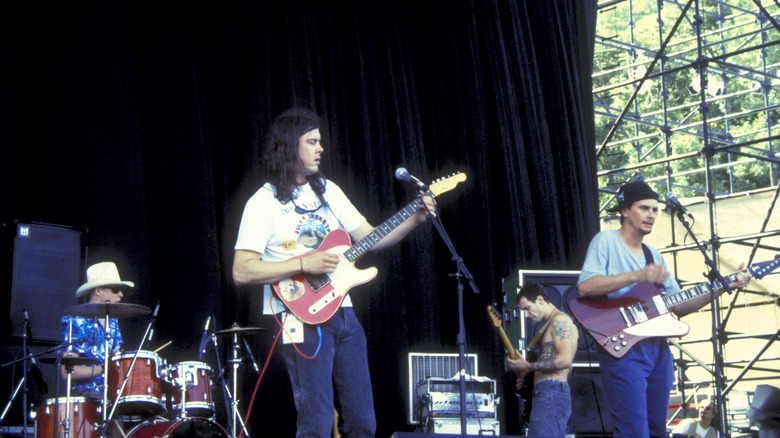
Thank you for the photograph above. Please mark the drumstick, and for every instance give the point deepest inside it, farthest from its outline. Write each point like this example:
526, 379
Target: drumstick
157, 350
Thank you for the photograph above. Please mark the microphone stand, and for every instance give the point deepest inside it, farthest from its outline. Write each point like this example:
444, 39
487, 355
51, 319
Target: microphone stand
462, 272
717, 330
24, 375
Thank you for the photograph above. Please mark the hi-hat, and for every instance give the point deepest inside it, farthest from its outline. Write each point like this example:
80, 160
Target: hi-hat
69, 360
112, 310
239, 330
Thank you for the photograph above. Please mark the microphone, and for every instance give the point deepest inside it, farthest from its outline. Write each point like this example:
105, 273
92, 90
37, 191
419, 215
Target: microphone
154, 320
251, 356
27, 329
402, 174
674, 203
204, 339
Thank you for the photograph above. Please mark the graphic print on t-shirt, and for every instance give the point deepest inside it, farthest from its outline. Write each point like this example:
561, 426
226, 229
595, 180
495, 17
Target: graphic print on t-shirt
311, 230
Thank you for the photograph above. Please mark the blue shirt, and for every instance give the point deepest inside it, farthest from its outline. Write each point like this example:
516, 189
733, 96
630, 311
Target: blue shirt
94, 336
608, 255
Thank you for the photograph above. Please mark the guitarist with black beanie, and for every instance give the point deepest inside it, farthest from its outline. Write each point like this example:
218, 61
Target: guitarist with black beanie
637, 384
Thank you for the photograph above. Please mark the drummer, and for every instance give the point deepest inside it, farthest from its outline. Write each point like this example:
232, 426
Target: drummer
103, 286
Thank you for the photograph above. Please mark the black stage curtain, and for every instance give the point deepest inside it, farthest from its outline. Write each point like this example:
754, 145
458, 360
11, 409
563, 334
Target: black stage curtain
141, 123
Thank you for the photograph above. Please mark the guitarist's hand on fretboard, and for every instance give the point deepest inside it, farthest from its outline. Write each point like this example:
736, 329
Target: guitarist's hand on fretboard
429, 210
518, 365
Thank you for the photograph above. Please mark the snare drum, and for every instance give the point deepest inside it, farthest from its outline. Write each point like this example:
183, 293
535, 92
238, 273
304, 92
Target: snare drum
143, 391
196, 378
185, 427
85, 418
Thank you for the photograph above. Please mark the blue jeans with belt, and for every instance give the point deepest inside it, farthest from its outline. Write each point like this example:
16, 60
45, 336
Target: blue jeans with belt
636, 388
340, 362
550, 409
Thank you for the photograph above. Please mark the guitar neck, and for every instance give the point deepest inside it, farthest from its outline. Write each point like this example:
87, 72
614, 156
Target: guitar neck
682, 296
363, 245
507, 343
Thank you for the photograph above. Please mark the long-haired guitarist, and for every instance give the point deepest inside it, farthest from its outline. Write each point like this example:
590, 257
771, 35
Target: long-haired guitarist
555, 351
636, 385
282, 228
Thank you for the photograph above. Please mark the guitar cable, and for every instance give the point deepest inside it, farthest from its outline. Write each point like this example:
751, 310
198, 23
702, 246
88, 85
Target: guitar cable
260, 378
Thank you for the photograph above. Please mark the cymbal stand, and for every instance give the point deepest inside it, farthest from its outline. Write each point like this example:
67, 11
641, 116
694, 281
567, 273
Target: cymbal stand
66, 420
22, 381
106, 353
107, 418
236, 361
230, 401
68, 381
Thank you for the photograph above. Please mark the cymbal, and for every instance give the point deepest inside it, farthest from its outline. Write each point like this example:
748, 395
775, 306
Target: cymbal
69, 360
239, 330
113, 310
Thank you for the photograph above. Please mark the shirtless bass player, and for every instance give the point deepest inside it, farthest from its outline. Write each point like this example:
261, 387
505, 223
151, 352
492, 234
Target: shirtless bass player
551, 406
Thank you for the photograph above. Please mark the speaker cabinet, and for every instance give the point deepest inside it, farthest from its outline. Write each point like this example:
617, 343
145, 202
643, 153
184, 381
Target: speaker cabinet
589, 415
45, 276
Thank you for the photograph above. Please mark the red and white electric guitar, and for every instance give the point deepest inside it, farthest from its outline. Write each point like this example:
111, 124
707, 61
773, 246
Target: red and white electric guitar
618, 324
316, 298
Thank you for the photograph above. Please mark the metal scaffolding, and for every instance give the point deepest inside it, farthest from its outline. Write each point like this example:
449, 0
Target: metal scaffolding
686, 96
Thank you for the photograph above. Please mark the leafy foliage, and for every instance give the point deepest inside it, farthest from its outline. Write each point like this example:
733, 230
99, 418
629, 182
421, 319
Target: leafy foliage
662, 136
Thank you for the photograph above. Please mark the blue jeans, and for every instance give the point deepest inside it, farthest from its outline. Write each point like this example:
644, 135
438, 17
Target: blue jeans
636, 388
340, 365
550, 409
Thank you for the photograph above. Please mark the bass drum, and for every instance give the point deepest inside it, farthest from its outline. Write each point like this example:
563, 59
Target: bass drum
182, 428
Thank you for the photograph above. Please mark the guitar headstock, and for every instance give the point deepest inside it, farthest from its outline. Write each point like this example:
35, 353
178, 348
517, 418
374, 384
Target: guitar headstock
759, 270
446, 184
495, 317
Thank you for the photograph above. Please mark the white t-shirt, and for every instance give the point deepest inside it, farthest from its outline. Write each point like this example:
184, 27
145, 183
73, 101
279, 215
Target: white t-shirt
278, 232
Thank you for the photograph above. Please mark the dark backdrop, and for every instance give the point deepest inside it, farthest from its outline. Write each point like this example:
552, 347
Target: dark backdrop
141, 123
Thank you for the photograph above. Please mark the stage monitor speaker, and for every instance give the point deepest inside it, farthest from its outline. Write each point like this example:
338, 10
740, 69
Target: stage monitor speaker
44, 279
589, 414
425, 365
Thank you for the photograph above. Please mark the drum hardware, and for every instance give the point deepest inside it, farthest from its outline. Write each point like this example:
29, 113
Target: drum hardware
111, 310
79, 412
232, 397
128, 311
33, 370
191, 389
69, 361
183, 427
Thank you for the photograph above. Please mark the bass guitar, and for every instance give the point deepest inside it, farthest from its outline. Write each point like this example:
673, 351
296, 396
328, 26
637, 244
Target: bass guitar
525, 391
315, 298
618, 324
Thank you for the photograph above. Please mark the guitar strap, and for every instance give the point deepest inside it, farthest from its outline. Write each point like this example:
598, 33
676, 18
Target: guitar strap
539, 334
648, 255
649, 260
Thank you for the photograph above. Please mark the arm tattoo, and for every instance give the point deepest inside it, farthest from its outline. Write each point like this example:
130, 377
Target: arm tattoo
547, 357
562, 330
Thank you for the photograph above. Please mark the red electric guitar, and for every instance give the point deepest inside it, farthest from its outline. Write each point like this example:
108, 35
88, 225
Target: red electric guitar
316, 298
618, 324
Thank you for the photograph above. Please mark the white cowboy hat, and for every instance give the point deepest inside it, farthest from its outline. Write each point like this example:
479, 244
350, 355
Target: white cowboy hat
102, 274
